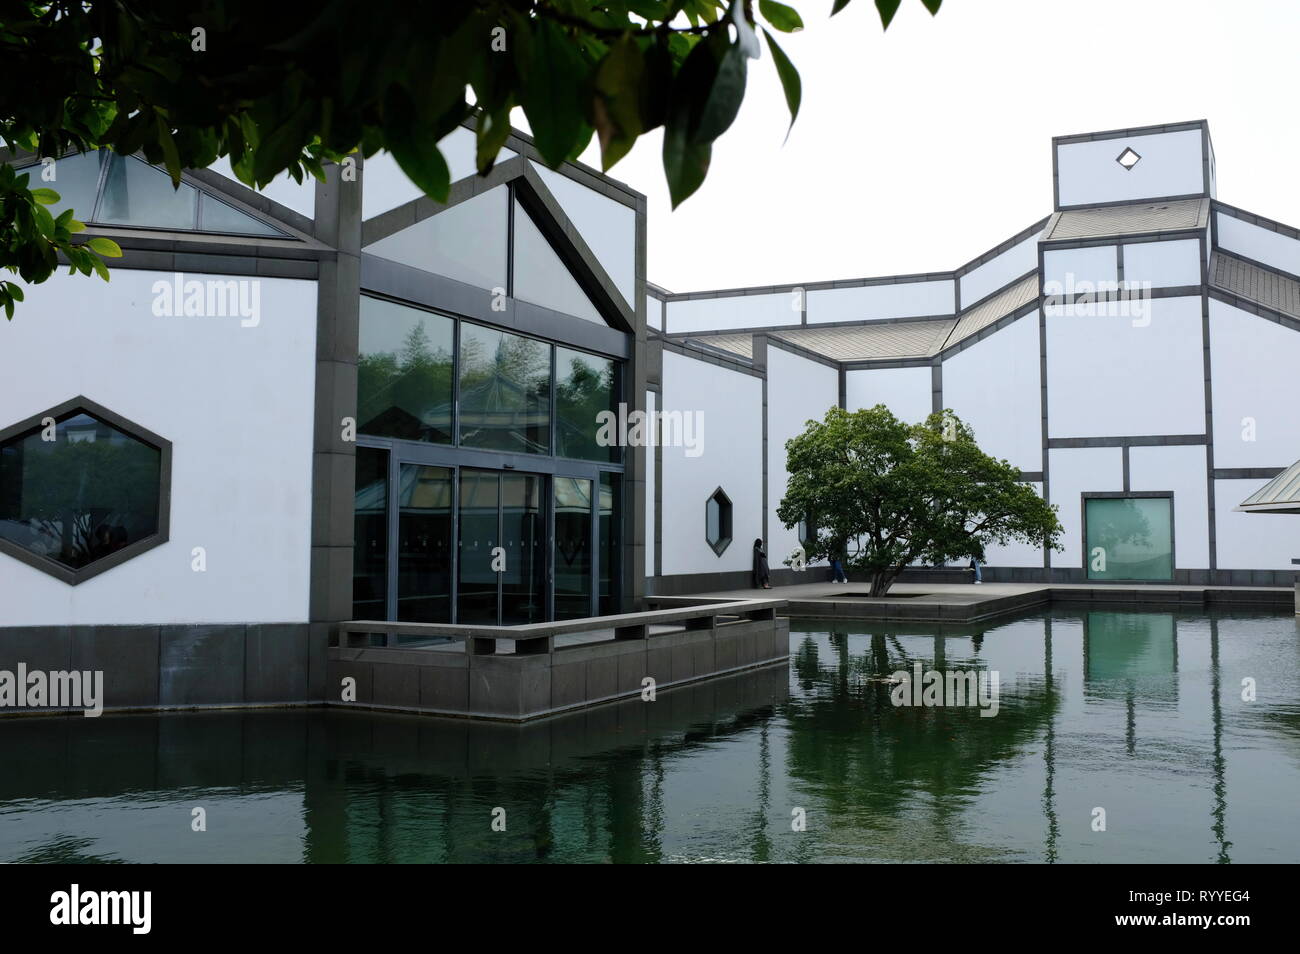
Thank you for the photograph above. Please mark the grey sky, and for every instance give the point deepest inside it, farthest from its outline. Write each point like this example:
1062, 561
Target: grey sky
921, 147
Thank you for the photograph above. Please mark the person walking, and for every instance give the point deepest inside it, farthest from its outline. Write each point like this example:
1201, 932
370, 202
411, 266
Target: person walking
760, 566
976, 558
837, 562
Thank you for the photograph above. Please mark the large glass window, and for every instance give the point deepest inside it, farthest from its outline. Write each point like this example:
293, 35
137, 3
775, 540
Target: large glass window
76, 180
424, 545
541, 275
370, 535
572, 548
466, 242
609, 541
523, 540
1129, 538
505, 391
78, 490
584, 386
476, 599
135, 193
404, 373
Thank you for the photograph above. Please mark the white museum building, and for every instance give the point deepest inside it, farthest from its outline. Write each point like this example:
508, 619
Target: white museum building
335, 401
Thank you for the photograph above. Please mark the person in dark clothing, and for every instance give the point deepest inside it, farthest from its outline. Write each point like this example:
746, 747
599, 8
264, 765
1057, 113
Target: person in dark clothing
837, 562
760, 566
976, 559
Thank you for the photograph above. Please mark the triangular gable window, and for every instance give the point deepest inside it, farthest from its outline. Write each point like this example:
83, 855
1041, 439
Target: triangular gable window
540, 275
103, 187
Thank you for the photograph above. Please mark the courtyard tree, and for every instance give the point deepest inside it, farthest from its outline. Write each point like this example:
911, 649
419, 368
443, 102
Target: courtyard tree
284, 88
893, 495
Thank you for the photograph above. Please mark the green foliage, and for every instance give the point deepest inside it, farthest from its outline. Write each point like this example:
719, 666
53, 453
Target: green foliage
886, 495
282, 88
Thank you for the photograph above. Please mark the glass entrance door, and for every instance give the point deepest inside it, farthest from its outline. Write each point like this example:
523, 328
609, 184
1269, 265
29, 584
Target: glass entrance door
574, 543
502, 573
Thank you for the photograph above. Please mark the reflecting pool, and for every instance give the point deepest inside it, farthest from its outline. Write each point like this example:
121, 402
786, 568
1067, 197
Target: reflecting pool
1144, 715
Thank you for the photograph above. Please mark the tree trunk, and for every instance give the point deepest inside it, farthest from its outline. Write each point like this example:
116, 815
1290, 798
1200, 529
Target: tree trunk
881, 580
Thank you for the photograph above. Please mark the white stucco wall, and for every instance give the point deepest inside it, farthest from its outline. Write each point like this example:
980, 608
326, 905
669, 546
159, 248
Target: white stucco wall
1075, 471
995, 387
1180, 469
736, 311
866, 302
798, 390
1171, 165
1255, 378
907, 392
1122, 376
236, 403
999, 271
1263, 245
1169, 264
732, 458
1252, 541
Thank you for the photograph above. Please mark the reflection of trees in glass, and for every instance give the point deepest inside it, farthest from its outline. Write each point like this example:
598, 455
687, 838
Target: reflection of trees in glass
77, 500
1118, 521
505, 384
407, 393
584, 387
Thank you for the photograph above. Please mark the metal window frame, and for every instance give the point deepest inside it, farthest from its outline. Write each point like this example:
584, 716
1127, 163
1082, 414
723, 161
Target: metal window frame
66, 574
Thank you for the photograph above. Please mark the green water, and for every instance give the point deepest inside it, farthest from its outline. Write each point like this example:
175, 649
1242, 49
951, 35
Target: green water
1140, 714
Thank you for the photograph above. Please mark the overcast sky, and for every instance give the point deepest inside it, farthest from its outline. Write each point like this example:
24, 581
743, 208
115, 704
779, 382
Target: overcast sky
919, 148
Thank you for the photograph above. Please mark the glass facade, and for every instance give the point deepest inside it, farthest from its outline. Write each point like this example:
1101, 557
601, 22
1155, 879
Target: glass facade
424, 544
573, 548
79, 490
584, 387
505, 391
468, 242
541, 277
1129, 538
404, 372
370, 535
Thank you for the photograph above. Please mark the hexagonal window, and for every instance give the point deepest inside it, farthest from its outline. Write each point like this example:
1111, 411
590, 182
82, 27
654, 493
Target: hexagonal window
82, 490
717, 521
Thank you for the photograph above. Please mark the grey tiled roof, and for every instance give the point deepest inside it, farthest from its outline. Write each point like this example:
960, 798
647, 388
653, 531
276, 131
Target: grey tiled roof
885, 339
991, 309
1128, 219
1263, 287
742, 345
1281, 494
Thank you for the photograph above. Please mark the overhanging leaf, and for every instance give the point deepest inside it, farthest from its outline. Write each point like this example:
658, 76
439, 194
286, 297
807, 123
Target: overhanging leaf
791, 84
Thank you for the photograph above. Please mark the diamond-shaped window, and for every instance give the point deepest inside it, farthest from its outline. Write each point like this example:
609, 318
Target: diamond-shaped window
717, 521
1128, 158
81, 490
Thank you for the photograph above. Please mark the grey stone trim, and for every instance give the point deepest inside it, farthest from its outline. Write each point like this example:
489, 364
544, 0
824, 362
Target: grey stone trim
723, 359
579, 172
1125, 467
844, 388
1245, 473
1145, 440
416, 287
1181, 291
1125, 238
1146, 201
792, 348
422, 207
104, 564
1031, 476
338, 309
809, 286
1042, 381
874, 364
1246, 305
176, 666
936, 387
638, 372
1211, 519
816, 325
760, 362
